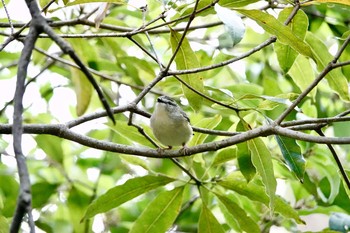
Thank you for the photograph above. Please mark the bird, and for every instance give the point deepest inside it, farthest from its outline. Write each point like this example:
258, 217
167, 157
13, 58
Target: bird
170, 124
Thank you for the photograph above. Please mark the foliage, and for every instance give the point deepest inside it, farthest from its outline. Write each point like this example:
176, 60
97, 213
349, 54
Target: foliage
259, 96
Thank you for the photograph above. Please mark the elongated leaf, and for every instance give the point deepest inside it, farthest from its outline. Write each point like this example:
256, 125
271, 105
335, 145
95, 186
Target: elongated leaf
90, 1
244, 157
262, 161
208, 123
274, 27
292, 155
299, 25
270, 102
82, 86
337, 81
83, 91
77, 203
344, 2
187, 59
52, 146
207, 222
4, 224
160, 213
303, 74
233, 23
135, 160
223, 156
130, 133
41, 192
236, 3
255, 192
245, 222
125, 192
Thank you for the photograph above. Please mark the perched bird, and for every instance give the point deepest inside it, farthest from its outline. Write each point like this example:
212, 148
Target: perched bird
170, 124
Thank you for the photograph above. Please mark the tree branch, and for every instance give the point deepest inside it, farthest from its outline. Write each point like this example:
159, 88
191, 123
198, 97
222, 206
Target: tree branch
24, 199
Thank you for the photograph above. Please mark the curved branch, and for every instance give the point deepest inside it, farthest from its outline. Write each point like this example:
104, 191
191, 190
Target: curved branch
61, 130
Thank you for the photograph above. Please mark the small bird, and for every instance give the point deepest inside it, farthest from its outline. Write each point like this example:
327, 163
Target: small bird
170, 124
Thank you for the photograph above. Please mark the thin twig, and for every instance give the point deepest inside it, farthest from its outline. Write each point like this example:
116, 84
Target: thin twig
325, 71
337, 160
8, 16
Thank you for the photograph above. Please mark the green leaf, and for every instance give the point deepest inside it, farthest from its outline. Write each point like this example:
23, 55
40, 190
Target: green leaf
207, 222
83, 91
187, 59
244, 157
135, 160
262, 161
52, 146
233, 23
41, 193
71, 3
44, 44
208, 123
82, 86
223, 156
271, 102
245, 222
237, 3
281, 31
130, 132
344, 2
9, 189
303, 74
336, 80
299, 25
77, 203
4, 225
160, 214
292, 155
256, 192
125, 192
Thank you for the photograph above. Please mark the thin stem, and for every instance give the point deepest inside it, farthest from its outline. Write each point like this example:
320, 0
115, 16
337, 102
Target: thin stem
324, 72
337, 160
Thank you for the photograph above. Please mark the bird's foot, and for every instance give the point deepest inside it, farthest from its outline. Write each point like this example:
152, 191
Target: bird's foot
184, 150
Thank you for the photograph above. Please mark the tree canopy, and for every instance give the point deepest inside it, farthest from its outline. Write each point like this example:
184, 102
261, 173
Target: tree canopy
264, 83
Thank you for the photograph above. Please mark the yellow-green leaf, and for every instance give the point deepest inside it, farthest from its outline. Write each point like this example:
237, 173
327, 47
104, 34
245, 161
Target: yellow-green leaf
246, 223
207, 222
4, 225
262, 161
299, 25
52, 146
254, 192
161, 213
223, 156
125, 192
186, 59
336, 79
83, 91
344, 2
303, 74
76, 2
208, 123
281, 31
